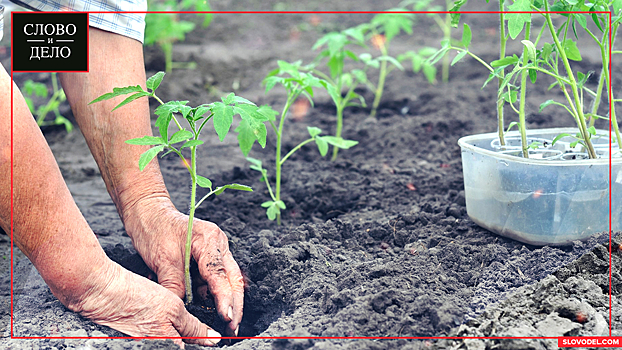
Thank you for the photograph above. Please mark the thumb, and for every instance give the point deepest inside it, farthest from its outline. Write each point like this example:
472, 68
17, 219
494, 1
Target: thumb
172, 278
190, 326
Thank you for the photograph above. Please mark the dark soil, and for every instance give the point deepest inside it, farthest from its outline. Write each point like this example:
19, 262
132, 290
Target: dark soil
377, 243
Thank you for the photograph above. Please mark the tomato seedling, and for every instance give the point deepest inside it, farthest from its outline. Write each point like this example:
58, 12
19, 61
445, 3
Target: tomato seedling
221, 113
33, 89
165, 29
296, 83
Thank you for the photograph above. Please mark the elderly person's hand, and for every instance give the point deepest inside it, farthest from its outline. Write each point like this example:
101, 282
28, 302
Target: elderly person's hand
138, 307
159, 232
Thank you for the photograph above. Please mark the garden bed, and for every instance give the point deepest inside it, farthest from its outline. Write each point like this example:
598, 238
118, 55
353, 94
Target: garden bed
377, 243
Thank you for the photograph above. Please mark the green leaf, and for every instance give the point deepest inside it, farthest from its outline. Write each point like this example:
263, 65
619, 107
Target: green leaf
571, 50
154, 81
223, 118
147, 156
504, 62
249, 131
267, 113
204, 182
430, 72
617, 6
458, 57
314, 131
267, 204
131, 98
146, 140
548, 103
581, 19
455, 12
255, 164
558, 137
280, 204
466, 36
118, 92
339, 142
531, 50
181, 135
512, 124
272, 212
391, 60
591, 130
199, 112
192, 143
533, 75
322, 146
516, 21
238, 187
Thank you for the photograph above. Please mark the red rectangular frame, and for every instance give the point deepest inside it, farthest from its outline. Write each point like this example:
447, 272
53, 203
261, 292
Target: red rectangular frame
323, 12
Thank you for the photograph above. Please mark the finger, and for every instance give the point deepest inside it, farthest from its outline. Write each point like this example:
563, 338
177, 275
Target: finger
236, 282
213, 271
190, 326
174, 336
172, 278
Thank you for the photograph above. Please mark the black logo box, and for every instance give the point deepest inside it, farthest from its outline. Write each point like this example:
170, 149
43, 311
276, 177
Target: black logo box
50, 42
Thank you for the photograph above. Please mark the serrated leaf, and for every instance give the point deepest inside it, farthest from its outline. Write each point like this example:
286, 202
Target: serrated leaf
249, 131
204, 182
181, 135
314, 131
154, 81
466, 35
223, 118
458, 57
322, 146
146, 140
267, 113
430, 72
118, 92
148, 156
131, 98
192, 143
238, 187
516, 21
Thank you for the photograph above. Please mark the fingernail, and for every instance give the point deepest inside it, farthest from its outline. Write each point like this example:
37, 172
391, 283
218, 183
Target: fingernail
236, 330
213, 334
230, 313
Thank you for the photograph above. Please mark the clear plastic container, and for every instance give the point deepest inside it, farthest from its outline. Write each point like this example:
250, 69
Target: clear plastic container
554, 197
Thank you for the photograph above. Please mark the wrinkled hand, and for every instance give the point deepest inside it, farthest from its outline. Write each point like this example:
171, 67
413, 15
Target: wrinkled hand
138, 307
158, 233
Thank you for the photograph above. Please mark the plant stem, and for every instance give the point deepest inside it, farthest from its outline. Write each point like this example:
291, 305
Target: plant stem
279, 140
523, 95
193, 173
295, 149
380, 86
573, 85
446, 36
338, 131
500, 102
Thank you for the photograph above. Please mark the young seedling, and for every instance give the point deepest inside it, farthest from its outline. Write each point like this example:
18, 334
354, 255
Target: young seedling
165, 29
32, 89
220, 113
338, 79
296, 83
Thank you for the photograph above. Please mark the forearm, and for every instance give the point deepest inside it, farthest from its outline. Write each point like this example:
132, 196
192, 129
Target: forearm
47, 224
115, 61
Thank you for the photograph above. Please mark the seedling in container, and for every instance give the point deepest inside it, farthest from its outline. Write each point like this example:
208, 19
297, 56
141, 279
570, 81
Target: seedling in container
221, 113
